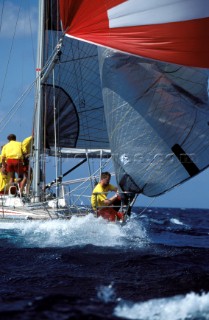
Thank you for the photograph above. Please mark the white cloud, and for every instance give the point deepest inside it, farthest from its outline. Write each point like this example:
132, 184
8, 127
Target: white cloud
19, 20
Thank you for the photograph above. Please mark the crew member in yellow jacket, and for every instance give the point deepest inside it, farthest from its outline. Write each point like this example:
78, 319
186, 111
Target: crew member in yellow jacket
27, 144
101, 204
12, 157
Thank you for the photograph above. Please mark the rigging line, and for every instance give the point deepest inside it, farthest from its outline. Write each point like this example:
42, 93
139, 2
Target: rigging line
89, 178
87, 157
56, 107
2, 11
10, 52
16, 105
138, 214
55, 130
81, 195
21, 97
56, 104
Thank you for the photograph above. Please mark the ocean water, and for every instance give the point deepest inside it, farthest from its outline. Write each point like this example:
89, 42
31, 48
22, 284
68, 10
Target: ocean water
156, 267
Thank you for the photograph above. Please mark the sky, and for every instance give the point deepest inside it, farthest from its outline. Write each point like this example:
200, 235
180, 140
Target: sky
18, 43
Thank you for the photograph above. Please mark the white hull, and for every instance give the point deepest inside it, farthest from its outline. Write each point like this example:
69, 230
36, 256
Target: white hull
16, 208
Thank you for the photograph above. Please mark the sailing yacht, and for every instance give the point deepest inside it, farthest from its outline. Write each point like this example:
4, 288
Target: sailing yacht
120, 80
69, 124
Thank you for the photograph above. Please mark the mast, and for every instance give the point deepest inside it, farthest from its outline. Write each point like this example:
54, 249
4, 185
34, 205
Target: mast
38, 131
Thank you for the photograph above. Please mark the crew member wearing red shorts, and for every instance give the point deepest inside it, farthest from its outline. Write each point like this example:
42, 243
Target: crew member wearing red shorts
106, 208
12, 157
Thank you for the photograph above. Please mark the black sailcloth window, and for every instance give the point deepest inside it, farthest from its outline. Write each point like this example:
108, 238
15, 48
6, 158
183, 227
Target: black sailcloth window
67, 122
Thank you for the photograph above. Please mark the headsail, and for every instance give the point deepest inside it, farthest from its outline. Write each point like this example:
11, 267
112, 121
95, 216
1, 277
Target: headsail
158, 121
175, 31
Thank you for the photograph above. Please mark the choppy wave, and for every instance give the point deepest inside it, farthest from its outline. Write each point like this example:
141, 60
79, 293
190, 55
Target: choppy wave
191, 306
76, 232
155, 267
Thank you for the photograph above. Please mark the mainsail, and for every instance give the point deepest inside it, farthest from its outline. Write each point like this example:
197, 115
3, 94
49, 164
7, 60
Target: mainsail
74, 90
69, 116
143, 92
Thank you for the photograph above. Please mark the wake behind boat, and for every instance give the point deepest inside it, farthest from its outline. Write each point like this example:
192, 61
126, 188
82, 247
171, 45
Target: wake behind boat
107, 90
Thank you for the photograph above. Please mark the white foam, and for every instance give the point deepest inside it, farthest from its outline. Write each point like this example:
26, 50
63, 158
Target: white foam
190, 306
176, 221
73, 232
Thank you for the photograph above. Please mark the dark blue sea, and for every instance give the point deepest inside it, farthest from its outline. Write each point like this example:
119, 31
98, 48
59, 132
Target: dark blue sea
156, 267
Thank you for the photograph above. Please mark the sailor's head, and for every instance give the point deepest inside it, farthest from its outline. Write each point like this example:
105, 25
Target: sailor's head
11, 137
105, 178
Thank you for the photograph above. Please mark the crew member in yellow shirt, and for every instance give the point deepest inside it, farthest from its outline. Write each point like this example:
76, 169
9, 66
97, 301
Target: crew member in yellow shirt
101, 204
27, 144
12, 157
